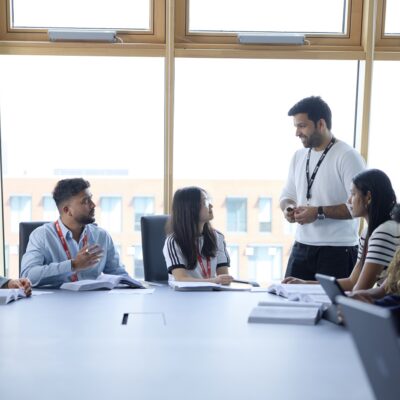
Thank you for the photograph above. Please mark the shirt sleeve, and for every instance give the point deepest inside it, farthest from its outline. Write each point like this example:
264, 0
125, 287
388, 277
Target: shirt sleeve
33, 263
113, 265
3, 281
223, 259
173, 254
289, 190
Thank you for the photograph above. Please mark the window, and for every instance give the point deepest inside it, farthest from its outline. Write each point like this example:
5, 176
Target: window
392, 17
50, 211
265, 263
233, 251
236, 209
265, 215
111, 213
121, 14
328, 16
21, 211
143, 205
138, 269
383, 142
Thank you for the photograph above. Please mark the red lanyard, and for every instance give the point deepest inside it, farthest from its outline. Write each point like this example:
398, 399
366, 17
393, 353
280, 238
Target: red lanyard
205, 272
74, 276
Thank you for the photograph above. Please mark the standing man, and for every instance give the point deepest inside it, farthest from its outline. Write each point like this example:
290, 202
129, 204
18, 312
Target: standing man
71, 248
315, 196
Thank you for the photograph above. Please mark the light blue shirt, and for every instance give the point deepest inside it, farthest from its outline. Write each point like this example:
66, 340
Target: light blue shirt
46, 263
3, 281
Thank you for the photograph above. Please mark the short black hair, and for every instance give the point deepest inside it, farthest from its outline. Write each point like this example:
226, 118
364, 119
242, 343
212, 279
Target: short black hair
67, 188
315, 108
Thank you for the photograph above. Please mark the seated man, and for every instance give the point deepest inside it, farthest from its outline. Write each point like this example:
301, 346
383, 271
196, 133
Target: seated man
23, 284
71, 248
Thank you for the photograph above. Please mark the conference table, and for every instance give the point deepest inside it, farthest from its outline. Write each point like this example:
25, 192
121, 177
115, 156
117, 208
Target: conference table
169, 345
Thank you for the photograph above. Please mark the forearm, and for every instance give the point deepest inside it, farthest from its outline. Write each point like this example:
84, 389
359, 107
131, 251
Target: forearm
286, 202
339, 211
222, 270
51, 274
346, 283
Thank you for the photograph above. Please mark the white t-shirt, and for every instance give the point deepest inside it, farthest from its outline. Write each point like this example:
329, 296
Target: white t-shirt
331, 187
382, 244
175, 259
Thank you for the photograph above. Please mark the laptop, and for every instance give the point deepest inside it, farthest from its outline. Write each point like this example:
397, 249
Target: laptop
331, 286
374, 333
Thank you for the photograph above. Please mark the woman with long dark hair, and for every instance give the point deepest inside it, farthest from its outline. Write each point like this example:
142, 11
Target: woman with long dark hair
193, 250
372, 198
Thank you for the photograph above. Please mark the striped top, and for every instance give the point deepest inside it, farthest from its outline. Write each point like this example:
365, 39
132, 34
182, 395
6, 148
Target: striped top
175, 259
382, 244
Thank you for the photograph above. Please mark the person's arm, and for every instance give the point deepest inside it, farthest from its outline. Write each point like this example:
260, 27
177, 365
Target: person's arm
33, 264
3, 282
307, 214
113, 265
368, 295
287, 201
181, 275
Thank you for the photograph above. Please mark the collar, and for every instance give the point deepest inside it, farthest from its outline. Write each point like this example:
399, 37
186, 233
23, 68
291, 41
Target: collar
68, 234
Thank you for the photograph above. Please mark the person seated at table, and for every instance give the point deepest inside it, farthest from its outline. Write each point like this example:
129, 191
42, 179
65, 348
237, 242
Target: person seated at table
22, 283
73, 247
372, 198
193, 250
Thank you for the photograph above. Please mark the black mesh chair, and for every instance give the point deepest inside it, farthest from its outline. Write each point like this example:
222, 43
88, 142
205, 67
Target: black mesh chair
153, 238
25, 230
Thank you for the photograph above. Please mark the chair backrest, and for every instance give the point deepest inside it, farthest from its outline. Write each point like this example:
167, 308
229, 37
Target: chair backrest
25, 229
153, 238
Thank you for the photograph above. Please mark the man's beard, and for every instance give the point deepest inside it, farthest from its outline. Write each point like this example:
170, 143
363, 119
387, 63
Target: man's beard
86, 219
314, 140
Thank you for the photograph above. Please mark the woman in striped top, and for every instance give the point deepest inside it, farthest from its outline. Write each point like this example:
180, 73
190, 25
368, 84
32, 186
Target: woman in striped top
373, 199
194, 251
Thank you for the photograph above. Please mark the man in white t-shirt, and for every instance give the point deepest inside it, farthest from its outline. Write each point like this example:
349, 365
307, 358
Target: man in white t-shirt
316, 193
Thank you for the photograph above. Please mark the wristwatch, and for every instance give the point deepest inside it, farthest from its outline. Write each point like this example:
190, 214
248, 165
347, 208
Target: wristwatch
320, 213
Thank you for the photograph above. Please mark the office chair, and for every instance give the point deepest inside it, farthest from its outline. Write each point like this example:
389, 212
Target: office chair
153, 238
25, 230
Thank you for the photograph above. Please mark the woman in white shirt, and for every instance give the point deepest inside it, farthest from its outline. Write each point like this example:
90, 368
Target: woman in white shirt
193, 250
372, 198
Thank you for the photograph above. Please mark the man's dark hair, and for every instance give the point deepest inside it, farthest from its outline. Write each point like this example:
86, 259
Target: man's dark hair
67, 188
315, 108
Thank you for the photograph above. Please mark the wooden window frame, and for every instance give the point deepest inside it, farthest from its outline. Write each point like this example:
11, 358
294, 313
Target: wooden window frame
384, 42
184, 38
156, 33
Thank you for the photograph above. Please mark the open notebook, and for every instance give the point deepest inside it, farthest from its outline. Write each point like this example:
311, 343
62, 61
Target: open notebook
9, 295
305, 293
104, 281
206, 286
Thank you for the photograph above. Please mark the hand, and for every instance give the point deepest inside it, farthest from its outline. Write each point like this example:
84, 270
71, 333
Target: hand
305, 215
23, 283
87, 257
223, 279
288, 213
361, 295
291, 279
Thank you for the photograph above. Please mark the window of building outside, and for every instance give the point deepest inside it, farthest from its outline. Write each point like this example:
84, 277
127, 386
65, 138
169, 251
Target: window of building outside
265, 214
21, 211
392, 17
111, 213
50, 211
77, 106
265, 263
327, 17
142, 206
138, 269
233, 251
94, 14
236, 213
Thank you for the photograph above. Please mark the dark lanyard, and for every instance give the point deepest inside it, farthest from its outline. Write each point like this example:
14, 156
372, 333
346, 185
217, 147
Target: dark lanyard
310, 181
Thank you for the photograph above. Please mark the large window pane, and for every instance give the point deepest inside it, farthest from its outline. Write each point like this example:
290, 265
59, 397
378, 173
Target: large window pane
328, 16
142, 206
233, 136
384, 140
21, 210
111, 213
100, 118
392, 17
116, 14
236, 209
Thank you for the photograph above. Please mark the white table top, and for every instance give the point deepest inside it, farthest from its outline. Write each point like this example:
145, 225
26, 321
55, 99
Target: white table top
176, 345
